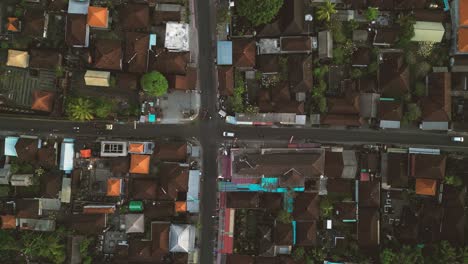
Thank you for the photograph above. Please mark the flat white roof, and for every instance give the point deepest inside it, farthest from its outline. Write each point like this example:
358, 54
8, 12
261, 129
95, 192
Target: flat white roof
177, 36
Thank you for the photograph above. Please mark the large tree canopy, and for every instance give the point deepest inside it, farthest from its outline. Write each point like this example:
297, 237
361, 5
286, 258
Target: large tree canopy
258, 12
154, 83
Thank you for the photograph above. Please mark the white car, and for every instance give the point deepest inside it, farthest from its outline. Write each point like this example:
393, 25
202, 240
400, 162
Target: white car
228, 134
457, 139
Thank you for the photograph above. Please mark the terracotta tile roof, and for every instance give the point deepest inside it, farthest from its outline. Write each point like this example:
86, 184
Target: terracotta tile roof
26, 148
369, 194
397, 170
104, 210
85, 153
306, 233
243, 52
296, 44
300, 67
169, 62
390, 110
44, 58
175, 152
428, 166
283, 234
114, 186
438, 105
462, 39
98, 16
368, 228
43, 101
76, 30
33, 23
140, 164
13, 24
268, 63
143, 189
226, 80
463, 13
306, 207
108, 54
180, 206
183, 82
242, 200
8, 221
134, 17
136, 148
341, 120
426, 187
136, 51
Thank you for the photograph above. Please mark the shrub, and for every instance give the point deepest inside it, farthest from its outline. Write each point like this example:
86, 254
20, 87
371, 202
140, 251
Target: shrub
325, 11
154, 83
372, 13
258, 12
413, 112
419, 89
284, 217
425, 49
104, 108
355, 73
422, 69
410, 57
453, 180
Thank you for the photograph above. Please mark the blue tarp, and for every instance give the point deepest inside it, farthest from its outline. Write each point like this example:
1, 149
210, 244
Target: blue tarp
151, 118
78, 7
152, 41
224, 53
10, 149
66, 155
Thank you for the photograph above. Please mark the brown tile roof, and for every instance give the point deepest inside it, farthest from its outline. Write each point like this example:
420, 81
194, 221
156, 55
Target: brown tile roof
127, 81
263, 95
136, 51
296, 44
334, 164
33, 25
134, 17
368, 228
169, 62
47, 157
306, 233
143, 189
410, 4
87, 223
226, 80
160, 210
426, 187
44, 58
390, 110
306, 207
161, 17
139, 251
108, 54
243, 52
272, 202
160, 239
345, 106
453, 226
341, 120
361, 56
98, 210
43, 100
291, 17
237, 259
27, 208
51, 185
367, 84
463, 13
57, 5
397, 170
283, 234
344, 210
242, 200
437, 107
289, 107
462, 39
394, 75
173, 179
453, 196
434, 15
120, 165
428, 166
76, 30
291, 178
183, 82
369, 194
308, 164
266, 260
381, 4
356, 4
386, 36
268, 63
26, 148
174, 151
340, 186
281, 92
300, 67
180, 258
8, 221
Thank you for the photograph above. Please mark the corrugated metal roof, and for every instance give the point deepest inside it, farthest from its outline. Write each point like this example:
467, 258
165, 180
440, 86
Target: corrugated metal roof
193, 202
66, 156
224, 53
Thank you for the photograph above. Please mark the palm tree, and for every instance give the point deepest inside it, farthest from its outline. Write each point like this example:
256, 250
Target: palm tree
80, 109
325, 11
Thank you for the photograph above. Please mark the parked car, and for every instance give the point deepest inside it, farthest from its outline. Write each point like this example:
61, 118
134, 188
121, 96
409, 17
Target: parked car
228, 134
457, 139
222, 113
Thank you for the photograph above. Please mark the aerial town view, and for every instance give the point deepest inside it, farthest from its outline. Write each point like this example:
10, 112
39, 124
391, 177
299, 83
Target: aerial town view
233, 131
